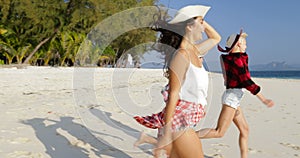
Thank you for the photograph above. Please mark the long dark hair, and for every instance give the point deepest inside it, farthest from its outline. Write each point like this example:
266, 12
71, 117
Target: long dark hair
170, 37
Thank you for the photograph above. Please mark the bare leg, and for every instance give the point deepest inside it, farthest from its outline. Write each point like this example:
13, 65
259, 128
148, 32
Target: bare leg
224, 121
144, 138
187, 145
241, 123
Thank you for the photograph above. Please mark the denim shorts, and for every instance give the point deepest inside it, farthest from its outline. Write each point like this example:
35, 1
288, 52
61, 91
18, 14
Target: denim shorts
232, 97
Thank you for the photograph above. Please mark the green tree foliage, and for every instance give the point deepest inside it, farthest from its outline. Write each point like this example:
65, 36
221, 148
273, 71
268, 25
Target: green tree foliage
32, 30
122, 31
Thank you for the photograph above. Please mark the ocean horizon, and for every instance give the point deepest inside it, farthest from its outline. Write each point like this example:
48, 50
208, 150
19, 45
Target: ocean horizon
281, 74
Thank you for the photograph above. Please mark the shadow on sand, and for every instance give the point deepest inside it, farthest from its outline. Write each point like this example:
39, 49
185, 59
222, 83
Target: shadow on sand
106, 117
58, 146
83, 143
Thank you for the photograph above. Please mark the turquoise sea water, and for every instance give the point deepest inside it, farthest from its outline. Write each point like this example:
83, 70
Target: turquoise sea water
276, 74
291, 74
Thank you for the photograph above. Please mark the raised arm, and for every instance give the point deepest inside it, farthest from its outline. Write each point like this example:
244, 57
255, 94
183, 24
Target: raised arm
213, 39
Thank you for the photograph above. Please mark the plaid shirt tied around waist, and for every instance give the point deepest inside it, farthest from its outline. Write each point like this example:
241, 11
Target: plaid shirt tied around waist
187, 114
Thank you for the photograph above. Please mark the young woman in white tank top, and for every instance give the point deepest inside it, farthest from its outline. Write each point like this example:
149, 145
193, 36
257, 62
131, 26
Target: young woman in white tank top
195, 85
188, 82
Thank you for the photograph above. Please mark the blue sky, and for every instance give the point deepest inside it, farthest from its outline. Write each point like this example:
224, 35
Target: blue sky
273, 26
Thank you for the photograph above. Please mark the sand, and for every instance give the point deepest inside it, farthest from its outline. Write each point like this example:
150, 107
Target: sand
87, 112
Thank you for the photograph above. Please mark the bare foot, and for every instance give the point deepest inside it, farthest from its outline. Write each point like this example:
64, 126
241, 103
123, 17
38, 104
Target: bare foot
161, 154
141, 139
144, 138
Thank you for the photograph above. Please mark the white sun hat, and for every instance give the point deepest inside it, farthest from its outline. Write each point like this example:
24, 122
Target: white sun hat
231, 39
189, 12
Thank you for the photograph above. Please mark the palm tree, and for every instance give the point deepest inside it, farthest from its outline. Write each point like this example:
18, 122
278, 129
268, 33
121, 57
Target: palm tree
70, 42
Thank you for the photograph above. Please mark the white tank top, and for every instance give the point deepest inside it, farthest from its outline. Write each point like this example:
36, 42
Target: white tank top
195, 86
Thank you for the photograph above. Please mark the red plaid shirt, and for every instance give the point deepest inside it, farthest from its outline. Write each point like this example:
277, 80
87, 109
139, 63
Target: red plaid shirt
236, 73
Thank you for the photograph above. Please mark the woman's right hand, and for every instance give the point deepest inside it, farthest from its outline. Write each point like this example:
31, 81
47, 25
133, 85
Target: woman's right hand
268, 102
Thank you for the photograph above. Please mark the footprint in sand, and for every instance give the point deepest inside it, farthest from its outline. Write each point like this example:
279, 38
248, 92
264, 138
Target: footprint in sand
268, 121
215, 156
293, 146
9, 131
221, 145
253, 151
24, 154
217, 151
19, 140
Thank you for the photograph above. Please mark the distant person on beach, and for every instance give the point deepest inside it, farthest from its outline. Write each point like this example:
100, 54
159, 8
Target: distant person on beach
188, 82
237, 78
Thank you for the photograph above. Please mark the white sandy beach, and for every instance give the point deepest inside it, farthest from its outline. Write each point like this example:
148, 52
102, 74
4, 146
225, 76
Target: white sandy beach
87, 113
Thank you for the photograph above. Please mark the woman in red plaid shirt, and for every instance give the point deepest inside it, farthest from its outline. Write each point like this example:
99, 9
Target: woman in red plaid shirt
237, 77
188, 81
